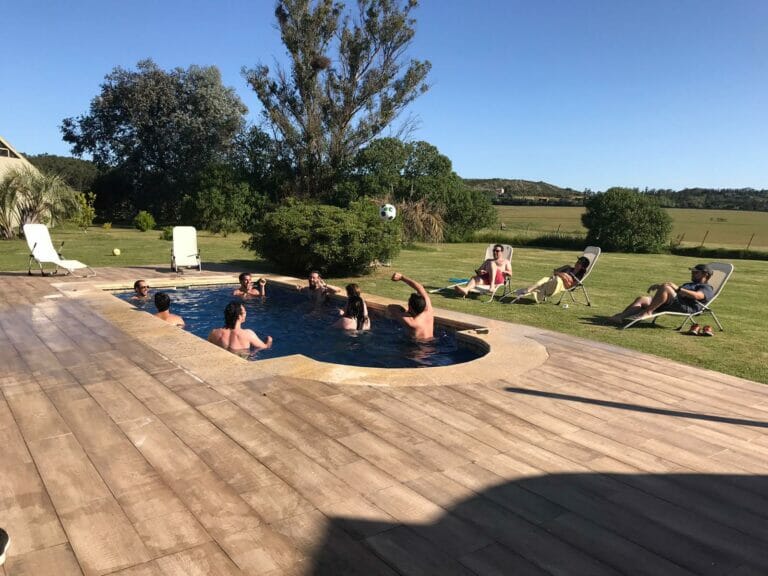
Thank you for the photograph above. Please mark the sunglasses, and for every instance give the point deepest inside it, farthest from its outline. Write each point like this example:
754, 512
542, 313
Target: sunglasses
498, 250
143, 287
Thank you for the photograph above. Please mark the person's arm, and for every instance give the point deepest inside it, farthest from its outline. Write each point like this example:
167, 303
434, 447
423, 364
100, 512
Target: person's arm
256, 342
692, 294
262, 289
397, 277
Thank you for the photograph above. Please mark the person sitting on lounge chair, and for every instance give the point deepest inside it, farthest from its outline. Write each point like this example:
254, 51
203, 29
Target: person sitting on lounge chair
669, 297
493, 272
163, 305
247, 289
562, 279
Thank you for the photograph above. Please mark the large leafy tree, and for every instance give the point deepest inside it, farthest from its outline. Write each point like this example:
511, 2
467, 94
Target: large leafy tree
158, 129
624, 220
422, 179
347, 81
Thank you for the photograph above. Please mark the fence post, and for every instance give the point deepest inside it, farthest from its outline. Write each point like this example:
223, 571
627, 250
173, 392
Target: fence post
704, 239
750, 241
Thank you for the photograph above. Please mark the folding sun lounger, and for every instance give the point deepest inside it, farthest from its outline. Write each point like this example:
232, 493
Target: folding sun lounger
42, 251
481, 289
184, 251
721, 273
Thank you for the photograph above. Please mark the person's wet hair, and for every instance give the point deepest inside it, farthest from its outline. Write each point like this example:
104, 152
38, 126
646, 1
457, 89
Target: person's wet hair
162, 301
232, 313
417, 304
243, 276
356, 310
353, 290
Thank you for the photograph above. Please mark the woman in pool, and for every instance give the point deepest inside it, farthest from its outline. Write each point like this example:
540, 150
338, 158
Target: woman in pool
354, 316
234, 338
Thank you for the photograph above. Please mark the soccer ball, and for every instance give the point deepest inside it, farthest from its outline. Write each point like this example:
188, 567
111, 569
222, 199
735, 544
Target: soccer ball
387, 212
116, 251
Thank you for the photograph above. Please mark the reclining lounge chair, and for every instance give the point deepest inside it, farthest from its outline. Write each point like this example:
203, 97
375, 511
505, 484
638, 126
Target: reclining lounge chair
501, 290
721, 272
184, 251
591, 253
41, 250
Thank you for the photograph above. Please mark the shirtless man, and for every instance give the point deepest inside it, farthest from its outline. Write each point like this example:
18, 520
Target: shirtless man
247, 289
141, 290
316, 289
232, 336
163, 305
419, 318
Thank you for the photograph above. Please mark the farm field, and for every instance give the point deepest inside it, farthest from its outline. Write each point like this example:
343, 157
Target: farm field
740, 350
723, 228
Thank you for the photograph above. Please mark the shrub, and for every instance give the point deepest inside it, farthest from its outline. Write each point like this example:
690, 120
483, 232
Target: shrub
299, 236
167, 233
107, 225
624, 220
86, 212
144, 221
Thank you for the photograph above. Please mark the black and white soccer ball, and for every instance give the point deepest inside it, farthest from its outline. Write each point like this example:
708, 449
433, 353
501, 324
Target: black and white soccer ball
387, 212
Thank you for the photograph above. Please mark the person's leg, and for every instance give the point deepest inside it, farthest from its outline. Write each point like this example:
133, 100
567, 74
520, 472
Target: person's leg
464, 290
532, 287
637, 306
663, 295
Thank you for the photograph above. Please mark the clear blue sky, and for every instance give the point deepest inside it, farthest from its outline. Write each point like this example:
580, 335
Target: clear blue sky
586, 94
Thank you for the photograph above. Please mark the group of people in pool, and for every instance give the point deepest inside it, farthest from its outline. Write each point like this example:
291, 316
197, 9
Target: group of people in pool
417, 318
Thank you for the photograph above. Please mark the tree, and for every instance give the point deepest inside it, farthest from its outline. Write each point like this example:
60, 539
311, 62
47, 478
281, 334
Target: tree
158, 129
347, 82
624, 220
28, 196
416, 175
78, 174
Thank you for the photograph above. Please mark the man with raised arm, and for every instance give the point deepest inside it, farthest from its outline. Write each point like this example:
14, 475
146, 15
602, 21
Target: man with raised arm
419, 318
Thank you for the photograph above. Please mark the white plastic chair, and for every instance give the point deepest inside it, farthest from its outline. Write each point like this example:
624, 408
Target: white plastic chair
591, 253
42, 251
184, 251
721, 273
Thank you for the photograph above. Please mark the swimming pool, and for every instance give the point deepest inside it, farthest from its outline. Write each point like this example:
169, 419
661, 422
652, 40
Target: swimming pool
298, 328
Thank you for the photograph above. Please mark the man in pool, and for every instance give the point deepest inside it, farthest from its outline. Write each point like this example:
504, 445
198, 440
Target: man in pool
141, 290
247, 289
232, 336
163, 305
419, 318
316, 289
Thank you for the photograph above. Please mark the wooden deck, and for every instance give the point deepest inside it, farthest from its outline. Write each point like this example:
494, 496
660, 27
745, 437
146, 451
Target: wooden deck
600, 461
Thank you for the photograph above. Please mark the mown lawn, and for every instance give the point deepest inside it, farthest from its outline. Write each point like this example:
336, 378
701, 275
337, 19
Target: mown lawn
740, 350
715, 228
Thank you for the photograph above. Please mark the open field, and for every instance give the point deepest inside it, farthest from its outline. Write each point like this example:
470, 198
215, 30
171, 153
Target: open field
727, 228
740, 350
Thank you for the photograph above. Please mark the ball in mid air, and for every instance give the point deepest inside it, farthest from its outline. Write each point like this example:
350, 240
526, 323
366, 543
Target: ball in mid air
116, 251
387, 212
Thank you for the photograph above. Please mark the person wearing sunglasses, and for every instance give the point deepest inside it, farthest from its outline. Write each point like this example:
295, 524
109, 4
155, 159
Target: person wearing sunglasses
492, 272
141, 290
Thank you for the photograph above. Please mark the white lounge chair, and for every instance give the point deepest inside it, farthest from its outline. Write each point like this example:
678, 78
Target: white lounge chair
42, 251
591, 253
721, 272
482, 289
184, 251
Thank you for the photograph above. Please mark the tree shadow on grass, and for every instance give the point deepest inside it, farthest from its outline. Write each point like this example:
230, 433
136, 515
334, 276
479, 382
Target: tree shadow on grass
568, 524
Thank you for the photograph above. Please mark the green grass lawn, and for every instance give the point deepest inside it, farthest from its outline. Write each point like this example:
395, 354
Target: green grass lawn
740, 350
722, 228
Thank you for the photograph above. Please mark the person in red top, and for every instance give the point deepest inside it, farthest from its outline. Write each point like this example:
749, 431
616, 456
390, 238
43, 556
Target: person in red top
563, 278
493, 272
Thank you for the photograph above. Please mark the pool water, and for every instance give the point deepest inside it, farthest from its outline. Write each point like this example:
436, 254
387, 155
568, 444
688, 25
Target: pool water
299, 328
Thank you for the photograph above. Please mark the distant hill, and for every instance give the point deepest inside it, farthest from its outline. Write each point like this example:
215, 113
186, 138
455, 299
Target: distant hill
509, 191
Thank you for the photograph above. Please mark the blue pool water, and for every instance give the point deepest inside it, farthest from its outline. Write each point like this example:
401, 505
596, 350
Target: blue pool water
297, 328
